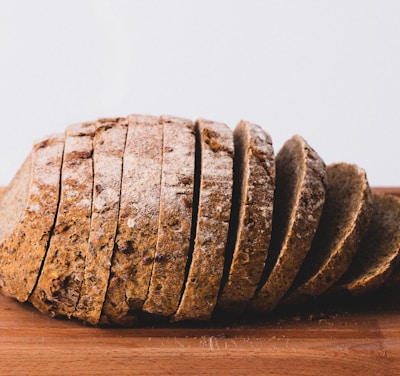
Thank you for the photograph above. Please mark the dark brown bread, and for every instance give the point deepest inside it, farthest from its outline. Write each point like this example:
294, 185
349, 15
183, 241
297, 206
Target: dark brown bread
175, 220
57, 290
251, 218
347, 212
300, 195
379, 251
27, 209
138, 221
108, 150
215, 196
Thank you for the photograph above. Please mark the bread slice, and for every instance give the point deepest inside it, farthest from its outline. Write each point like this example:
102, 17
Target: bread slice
379, 251
174, 229
251, 218
214, 206
344, 220
299, 198
108, 150
57, 290
138, 221
28, 208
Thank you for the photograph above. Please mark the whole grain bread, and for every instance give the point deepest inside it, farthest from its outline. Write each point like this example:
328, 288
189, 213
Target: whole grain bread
108, 150
175, 220
58, 287
251, 219
299, 198
138, 221
213, 212
344, 220
379, 251
28, 208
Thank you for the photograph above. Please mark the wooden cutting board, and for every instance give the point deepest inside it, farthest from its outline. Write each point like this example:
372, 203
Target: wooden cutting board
356, 337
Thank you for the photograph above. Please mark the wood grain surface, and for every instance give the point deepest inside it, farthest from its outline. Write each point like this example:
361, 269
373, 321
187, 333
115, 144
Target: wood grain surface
346, 337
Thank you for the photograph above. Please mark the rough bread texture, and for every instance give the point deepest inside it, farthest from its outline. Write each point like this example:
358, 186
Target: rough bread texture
108, 150
344, 220
300, 194
28, 208
175, 220
215, 196
379, 251
57, 290
138, 221
251, 219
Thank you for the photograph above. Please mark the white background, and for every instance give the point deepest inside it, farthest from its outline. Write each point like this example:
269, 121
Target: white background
328, 70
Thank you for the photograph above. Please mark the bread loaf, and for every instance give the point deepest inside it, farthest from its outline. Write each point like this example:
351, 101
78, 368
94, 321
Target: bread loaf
146, 218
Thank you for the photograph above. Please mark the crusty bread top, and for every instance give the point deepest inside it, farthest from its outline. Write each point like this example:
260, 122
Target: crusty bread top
344, 220
251, 219
379, 251
300, 195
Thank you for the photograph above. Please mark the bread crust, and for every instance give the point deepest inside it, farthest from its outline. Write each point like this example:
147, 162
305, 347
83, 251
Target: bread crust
300, 195
23, 249
175, 220
58, 287
251, 220
108, 151
207, 262
138, 221
345, 218
379, 251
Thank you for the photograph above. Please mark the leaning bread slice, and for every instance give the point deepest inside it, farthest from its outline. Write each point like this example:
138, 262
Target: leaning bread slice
379, 251
108, 150
251, 218
57, 290
299, 199
137, 223
344, 220
214, 190
174, 228
27, 209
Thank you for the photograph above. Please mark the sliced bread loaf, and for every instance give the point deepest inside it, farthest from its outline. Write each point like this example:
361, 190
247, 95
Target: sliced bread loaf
214, 206
251, 219
137, 223
57, 290
379, 251
344, 220
28, 208
175, 220
108, 150
299, 198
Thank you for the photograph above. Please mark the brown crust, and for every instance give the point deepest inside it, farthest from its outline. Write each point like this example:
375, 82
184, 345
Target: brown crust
22, 252
251, 219
345, 218
300, 195
108, 150
379, 251
58, 287
175, 219
137, 223
207, 263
